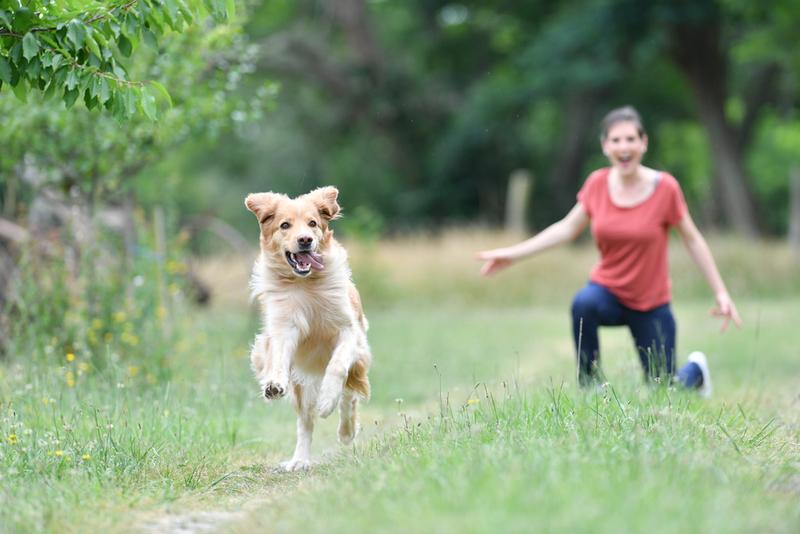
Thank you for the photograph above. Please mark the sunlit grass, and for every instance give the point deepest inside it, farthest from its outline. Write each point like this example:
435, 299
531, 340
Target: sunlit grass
95, 439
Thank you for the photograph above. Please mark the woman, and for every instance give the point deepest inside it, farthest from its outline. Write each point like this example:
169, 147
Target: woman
631, 208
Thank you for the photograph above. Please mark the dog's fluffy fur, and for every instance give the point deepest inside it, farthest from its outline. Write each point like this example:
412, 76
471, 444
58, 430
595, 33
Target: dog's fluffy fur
313, 344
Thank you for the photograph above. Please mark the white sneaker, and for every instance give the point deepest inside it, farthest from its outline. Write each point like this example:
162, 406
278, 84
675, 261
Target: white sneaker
699, 358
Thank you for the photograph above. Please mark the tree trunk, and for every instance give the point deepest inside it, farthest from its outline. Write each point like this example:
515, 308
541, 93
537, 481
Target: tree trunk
565, 178
794, 212
697, 51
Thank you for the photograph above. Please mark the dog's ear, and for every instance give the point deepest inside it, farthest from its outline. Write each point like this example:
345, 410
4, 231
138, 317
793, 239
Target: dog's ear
325, 200
263, 205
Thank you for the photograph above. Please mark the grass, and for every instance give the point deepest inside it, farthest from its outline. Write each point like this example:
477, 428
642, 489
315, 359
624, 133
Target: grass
474, 424
555, 459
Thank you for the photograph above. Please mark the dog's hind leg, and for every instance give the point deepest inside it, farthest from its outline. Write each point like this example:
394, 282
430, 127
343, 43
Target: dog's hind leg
348, 417
304, 403
336, 373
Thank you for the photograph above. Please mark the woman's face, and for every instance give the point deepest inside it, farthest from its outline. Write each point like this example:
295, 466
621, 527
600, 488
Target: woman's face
624, 147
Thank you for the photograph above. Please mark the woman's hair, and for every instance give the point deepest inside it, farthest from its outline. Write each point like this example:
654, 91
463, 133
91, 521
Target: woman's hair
624, 114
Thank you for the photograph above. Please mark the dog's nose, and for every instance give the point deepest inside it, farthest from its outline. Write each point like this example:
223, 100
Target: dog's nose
305, 241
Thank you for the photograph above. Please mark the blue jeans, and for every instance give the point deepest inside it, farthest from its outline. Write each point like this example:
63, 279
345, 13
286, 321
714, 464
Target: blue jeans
653, 335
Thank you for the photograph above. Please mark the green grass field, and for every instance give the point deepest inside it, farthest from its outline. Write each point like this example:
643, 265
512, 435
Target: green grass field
475, 423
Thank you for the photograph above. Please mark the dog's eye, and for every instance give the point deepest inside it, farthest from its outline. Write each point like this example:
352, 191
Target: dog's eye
312, 224
285, 225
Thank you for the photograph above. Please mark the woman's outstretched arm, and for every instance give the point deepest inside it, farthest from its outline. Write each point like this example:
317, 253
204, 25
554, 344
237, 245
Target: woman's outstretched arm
701, 254
557, 233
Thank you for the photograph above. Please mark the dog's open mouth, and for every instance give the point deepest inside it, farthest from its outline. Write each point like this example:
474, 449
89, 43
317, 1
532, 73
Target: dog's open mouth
303, 262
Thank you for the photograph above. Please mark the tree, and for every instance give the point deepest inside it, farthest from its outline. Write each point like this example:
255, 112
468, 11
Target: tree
80, 48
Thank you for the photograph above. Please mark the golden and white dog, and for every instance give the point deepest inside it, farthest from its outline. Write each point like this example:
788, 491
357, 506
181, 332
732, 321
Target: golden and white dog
313, 344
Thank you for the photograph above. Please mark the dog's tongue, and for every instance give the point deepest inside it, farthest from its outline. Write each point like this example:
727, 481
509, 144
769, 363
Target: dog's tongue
315, 260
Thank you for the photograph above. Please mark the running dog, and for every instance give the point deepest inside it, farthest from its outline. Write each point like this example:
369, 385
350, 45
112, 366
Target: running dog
313, 344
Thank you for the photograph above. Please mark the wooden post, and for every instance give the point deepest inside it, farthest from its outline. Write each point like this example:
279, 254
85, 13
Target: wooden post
520, 186
159, 229
794, 211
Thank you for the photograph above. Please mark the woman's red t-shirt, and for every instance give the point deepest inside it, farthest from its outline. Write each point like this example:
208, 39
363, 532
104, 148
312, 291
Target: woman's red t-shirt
633, 240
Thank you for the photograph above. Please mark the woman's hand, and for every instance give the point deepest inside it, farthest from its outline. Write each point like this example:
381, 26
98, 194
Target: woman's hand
726, 309
496, 260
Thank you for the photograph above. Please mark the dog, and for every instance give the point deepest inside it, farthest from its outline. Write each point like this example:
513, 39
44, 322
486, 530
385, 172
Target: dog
313, 344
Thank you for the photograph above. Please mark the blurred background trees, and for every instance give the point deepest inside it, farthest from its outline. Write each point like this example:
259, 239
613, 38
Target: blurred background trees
420, 110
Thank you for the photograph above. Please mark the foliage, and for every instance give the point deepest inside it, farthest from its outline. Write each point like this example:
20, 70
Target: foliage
109, 307
91, 157
427, 129
80, 48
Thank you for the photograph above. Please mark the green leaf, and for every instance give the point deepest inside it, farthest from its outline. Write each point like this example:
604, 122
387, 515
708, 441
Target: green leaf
5, 70
91, 43
33, 69
148, 103
102, 91
150, 38
23, 20
162, 91
171, 14
57, 59
21, 91
118, 70
5, 18
100, 38
70, 96
230, 9
185, 11
61, 75
15, 54
76, 33
125, 46
30, 46
129, 100
72, 80
50, 91
89, 100
131, 26
46, 59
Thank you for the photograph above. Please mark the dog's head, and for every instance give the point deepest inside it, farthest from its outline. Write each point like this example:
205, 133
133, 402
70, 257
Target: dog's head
294, 231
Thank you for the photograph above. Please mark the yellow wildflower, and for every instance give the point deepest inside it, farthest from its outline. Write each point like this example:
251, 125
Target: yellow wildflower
45, 401
97, 324
119, 317
70, 377
133, 370
473, 401
12, 439
161, 312
176, 267
70, 357
86, 457
130, 339
83, 366
59, 453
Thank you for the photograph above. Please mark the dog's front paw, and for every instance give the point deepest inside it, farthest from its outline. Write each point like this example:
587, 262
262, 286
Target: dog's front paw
274, 389
296, 464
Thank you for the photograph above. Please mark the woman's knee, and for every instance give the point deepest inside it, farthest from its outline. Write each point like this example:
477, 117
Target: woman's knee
586, 302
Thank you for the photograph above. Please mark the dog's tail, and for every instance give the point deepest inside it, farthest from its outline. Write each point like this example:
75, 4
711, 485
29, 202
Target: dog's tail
357, 379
